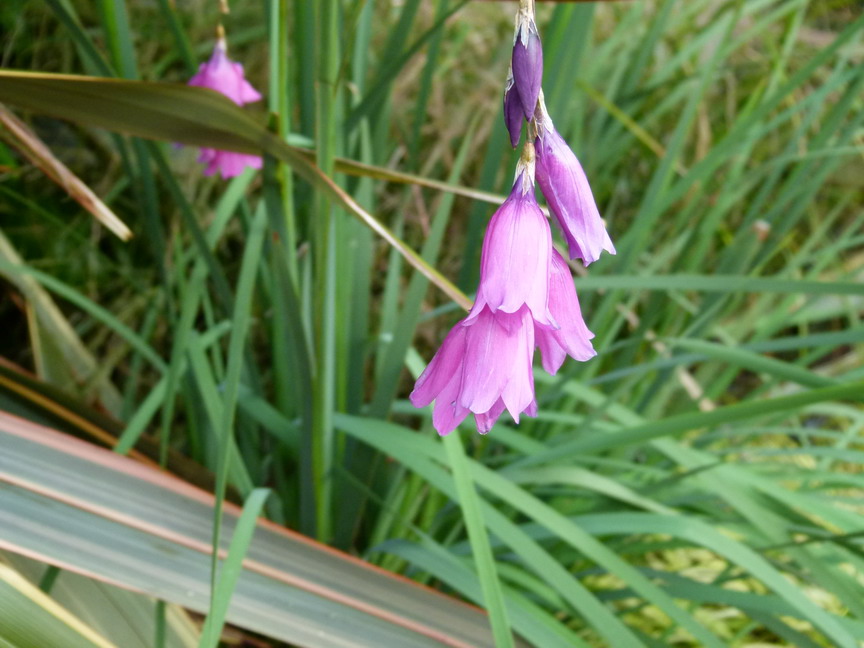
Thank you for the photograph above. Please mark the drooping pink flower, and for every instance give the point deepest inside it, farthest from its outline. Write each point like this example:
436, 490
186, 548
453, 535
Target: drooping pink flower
516, 255
527, 63
568, 193
526, 299
482, 367
572, 337
225, 76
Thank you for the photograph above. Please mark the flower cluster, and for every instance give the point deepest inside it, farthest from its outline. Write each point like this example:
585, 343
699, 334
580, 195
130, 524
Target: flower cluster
526, 298
226, 77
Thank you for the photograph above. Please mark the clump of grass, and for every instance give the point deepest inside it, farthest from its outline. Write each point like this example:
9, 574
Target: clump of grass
694, 485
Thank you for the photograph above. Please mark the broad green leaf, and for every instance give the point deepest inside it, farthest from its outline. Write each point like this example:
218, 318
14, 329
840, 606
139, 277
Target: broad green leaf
31, 619
158, 530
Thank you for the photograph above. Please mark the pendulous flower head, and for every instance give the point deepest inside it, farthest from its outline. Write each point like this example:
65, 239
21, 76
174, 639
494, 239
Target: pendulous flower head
516, 255
526, 298
568, 193
482, 367
226, 77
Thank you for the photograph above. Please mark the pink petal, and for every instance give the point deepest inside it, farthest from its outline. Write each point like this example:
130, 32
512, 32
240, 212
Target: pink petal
448, 413
519, 391
514, 264
228, 163
446, 364
245, 93
551, 353
573, 337
566, 189
486, 420
490, 352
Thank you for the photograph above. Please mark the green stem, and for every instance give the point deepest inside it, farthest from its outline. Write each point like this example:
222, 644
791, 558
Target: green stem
323, 401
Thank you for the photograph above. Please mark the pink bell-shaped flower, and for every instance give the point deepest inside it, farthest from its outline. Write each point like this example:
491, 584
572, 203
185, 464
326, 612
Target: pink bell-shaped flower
516, 255
568, 193
225, 76
482, 367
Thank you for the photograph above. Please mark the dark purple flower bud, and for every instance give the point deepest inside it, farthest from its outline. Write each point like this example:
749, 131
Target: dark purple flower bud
568, 193
527, 64
512, 111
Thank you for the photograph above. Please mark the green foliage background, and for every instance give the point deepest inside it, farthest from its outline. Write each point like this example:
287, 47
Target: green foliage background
698, 483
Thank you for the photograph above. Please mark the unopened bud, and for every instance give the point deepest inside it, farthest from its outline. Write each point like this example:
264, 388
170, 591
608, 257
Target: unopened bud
527, 63
512, 111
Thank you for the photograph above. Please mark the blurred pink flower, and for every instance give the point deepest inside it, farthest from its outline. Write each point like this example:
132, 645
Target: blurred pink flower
225, 76
568, 193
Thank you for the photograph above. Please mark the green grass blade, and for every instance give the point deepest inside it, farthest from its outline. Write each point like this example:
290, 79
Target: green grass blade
236, 346
483, 558
232, 567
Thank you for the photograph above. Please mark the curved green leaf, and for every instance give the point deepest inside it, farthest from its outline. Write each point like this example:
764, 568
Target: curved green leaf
188, 115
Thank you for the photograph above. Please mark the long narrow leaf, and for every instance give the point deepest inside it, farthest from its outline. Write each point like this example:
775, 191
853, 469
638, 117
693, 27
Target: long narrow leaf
159, 528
